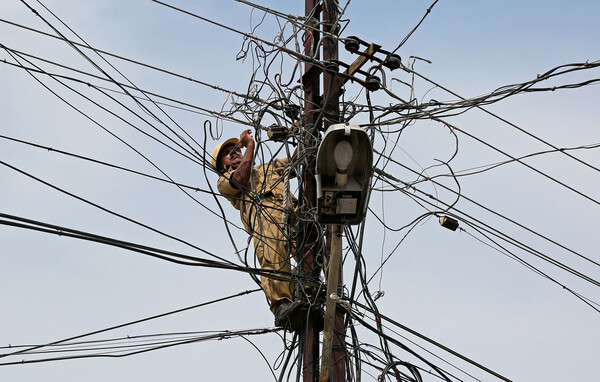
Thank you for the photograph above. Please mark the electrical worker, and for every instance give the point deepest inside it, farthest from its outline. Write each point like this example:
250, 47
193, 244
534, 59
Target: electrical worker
258, 193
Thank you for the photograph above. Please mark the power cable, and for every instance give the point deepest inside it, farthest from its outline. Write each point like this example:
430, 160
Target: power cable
505, 237
149, 66
488, 210
380, 316
36, 347
585, 65
145, 92
530, 167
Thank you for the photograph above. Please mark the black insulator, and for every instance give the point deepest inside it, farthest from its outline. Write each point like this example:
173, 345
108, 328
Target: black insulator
373, 83
332, 66
448, 222
392, 61
351, 44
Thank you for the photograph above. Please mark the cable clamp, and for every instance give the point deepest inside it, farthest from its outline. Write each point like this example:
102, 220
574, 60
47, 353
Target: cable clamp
344, 304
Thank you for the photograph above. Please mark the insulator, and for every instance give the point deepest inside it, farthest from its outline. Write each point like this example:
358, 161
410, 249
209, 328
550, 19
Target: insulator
351, 44
392, 61
332, 66
373, 83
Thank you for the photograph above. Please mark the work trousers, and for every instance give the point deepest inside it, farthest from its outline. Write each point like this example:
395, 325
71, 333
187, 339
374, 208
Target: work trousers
272, 248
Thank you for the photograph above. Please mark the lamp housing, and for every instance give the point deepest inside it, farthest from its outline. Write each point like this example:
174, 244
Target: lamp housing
344, 168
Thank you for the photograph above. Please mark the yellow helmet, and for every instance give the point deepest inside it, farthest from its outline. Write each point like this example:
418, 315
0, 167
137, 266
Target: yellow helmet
215, 154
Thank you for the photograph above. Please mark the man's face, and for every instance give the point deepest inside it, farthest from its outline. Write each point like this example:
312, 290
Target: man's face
231, 155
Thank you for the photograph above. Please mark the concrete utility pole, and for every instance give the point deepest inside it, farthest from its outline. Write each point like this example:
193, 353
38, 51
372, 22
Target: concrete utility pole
333, 358
333, 362
326, 105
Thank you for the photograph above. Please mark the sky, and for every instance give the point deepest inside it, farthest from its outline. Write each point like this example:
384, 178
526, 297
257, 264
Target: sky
456, 288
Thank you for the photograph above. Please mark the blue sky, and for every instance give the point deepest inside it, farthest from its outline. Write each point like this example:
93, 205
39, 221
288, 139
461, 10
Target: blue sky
448, 286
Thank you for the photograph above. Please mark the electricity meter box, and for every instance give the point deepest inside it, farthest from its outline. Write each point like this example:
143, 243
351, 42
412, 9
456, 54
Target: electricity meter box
343, 173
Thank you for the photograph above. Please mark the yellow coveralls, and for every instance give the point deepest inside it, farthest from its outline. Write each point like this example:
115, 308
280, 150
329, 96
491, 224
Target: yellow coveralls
260, 208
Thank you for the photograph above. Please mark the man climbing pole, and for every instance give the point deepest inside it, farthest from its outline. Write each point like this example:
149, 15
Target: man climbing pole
258, 192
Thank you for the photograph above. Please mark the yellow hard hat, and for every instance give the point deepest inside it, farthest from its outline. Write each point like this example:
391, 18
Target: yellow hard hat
217, 150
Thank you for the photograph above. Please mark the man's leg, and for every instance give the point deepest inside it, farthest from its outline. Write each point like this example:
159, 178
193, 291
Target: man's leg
271, 252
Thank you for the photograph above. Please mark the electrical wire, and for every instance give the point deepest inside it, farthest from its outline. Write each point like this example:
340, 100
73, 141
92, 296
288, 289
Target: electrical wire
28, 349
270, 99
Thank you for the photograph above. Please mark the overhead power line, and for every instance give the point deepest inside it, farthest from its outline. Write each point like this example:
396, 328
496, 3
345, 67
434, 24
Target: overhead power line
136, 62
154, 317
586, 258
543, 77
279, 96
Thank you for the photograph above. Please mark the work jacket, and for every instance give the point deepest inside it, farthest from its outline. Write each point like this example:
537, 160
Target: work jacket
266, 188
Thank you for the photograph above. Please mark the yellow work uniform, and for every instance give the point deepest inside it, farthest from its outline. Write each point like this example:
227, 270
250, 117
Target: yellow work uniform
260, 207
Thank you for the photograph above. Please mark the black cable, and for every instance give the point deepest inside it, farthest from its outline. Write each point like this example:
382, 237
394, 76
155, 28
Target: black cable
120, 353
162, 70
585, 65
246, 35
421, 336
505, 237
489, 210
510, 254
530, 167
110, 211
484, 168
118, 138
198, 109
23, 351
133, 85
92, 160
189, 155
162, 254
75, 47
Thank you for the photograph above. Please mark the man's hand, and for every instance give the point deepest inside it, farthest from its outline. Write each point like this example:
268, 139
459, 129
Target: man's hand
246, 138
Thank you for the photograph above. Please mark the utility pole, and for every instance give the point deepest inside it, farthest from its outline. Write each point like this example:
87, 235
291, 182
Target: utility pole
333, 363
309, 334
339, 203
327, 106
